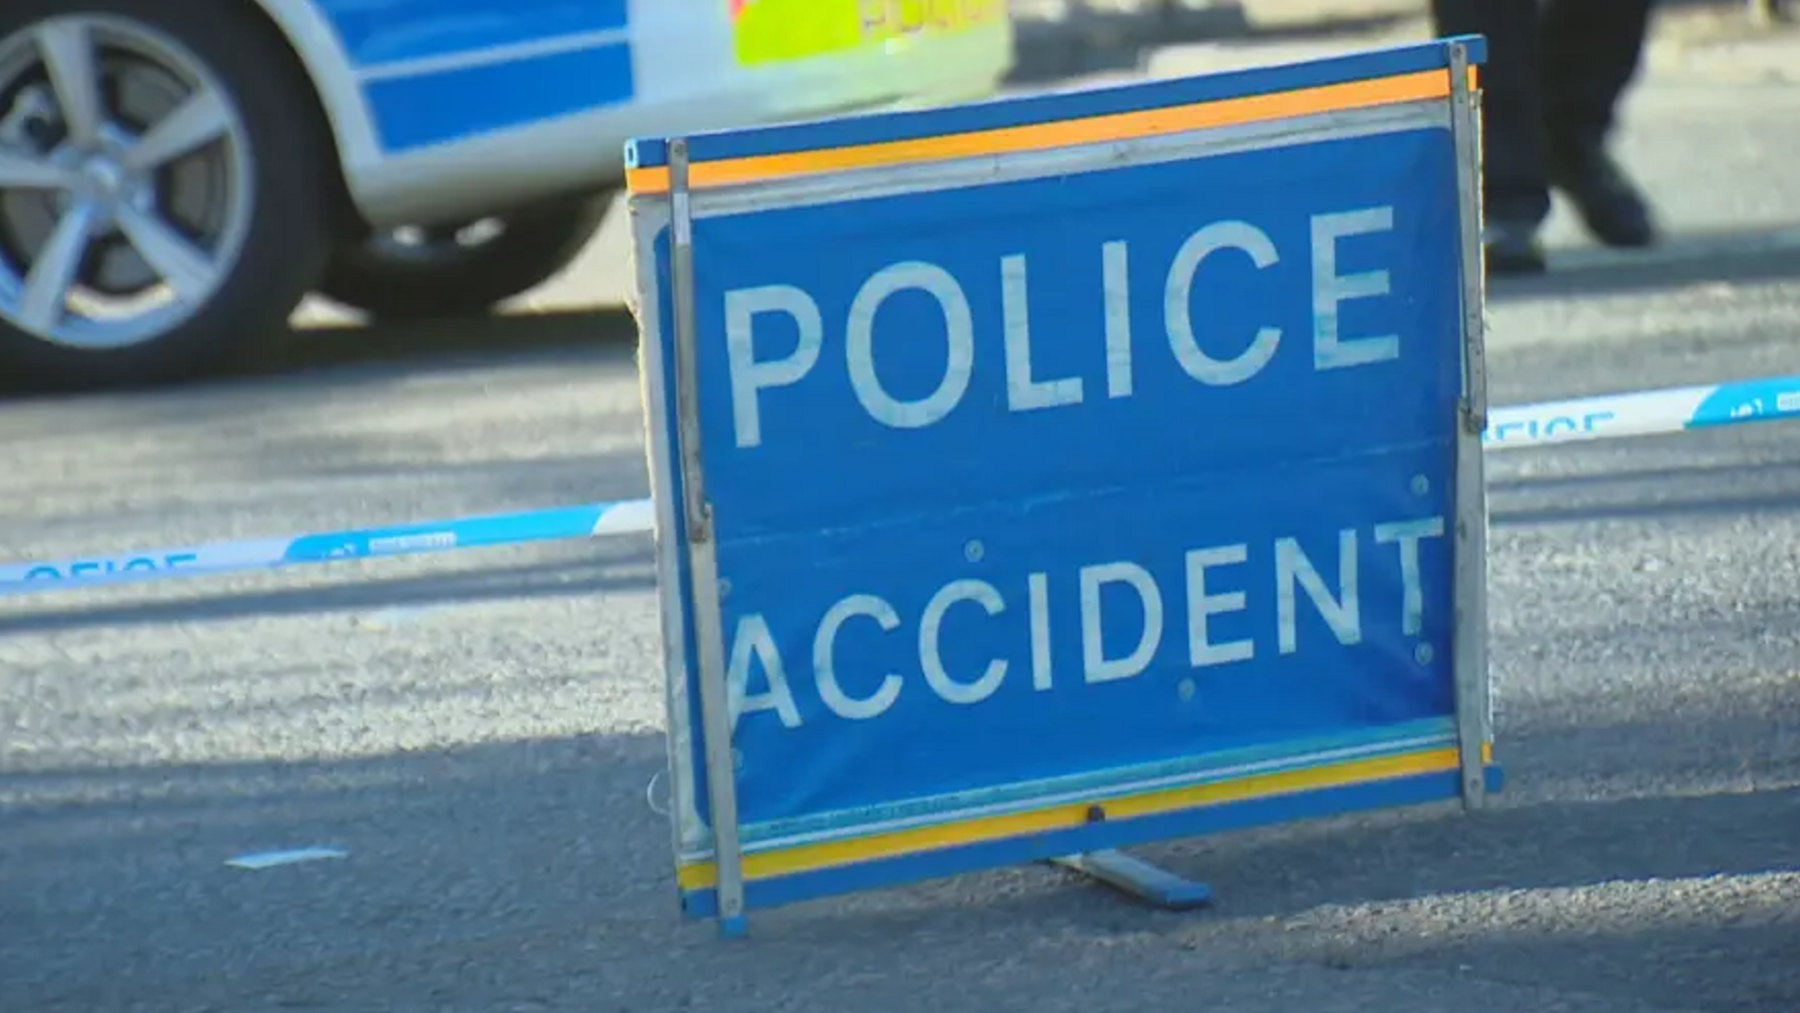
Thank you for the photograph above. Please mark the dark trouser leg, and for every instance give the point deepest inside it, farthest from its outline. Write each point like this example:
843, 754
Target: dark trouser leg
1515, 178
1590, 53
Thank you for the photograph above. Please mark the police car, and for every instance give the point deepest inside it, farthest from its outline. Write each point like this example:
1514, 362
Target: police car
176, 175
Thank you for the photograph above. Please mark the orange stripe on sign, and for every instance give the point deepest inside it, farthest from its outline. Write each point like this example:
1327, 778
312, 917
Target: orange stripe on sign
1425, 84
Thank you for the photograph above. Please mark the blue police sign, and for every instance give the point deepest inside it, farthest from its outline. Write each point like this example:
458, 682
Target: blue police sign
1061, 473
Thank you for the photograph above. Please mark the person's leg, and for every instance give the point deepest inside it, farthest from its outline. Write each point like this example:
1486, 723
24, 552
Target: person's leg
1591, 52
1515, 185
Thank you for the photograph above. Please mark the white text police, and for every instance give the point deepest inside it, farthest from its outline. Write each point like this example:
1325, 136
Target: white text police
753, 379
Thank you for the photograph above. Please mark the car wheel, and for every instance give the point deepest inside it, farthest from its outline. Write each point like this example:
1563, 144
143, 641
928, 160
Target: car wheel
463, 269
165, 188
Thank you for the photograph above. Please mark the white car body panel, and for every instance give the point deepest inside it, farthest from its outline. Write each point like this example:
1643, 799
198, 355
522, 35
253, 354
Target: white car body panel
444, 110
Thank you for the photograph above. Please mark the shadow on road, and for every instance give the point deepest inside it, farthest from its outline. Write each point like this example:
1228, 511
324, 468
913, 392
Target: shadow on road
449, 343
538, 580
1625, 506
353, 352
533, 875
1564, 895
1685, 259
1670, 493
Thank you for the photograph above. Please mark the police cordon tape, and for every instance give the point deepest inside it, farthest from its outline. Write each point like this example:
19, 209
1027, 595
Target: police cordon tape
556, 524
1644, 413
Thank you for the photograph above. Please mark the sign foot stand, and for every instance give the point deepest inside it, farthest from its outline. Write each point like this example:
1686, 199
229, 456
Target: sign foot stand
1139, 879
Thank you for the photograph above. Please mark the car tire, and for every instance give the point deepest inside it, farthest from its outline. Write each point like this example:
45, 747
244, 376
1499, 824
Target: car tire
446, 272
231, 206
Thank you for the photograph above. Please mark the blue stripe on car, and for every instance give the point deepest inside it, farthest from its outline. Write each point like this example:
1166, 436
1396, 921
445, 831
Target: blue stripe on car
377, 32
419, 110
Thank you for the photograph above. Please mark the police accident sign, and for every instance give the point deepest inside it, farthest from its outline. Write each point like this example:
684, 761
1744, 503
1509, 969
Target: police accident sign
1078, 470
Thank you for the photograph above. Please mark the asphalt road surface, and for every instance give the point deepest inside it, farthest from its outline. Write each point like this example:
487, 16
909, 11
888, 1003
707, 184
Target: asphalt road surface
478, 731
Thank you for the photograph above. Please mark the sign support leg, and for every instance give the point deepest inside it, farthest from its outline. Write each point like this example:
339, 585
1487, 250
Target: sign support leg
715, 718
1473, 719
1139, 879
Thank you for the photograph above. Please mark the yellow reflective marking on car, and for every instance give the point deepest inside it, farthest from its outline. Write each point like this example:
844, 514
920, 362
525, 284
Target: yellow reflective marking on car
781, 31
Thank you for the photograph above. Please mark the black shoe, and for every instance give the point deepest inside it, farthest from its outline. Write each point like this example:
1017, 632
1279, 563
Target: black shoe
1609, 204
1513, 248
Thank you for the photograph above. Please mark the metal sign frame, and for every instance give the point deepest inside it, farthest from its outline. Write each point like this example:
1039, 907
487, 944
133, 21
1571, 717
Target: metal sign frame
1474, 717
662, 206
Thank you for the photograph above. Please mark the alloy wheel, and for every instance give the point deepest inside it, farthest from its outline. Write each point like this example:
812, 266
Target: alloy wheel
125, 182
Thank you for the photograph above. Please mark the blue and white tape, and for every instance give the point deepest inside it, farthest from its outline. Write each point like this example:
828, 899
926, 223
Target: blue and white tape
1596, 418
560, 523
1643, 414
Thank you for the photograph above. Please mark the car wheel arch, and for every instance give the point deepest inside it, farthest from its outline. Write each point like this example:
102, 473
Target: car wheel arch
320, 61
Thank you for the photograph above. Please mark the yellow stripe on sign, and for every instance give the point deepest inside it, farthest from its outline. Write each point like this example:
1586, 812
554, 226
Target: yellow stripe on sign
815, 857
1425, 84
